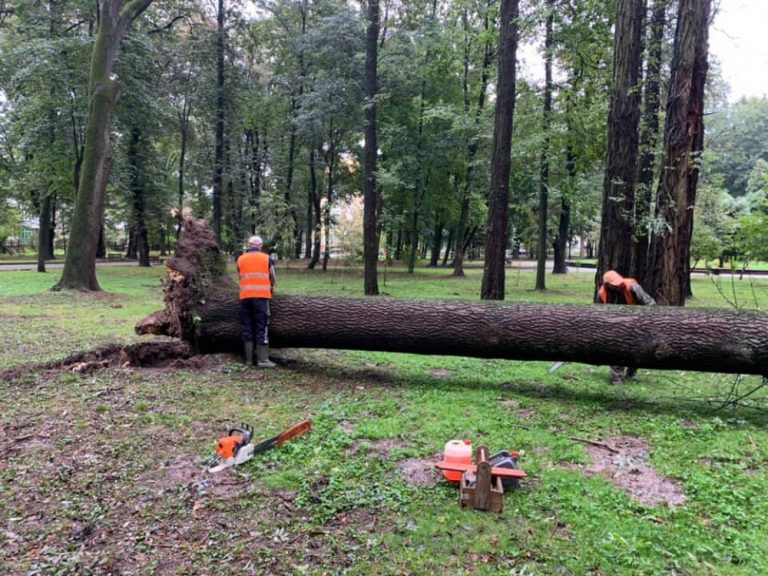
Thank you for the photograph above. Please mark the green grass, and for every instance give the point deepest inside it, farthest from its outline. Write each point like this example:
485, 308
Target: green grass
107, 475
42, 325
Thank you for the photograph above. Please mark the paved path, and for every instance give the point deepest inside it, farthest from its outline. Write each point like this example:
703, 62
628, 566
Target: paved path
59, 264
516, 264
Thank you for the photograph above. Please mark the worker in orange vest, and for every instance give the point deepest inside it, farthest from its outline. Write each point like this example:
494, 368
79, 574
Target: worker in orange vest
257, 283
616, 289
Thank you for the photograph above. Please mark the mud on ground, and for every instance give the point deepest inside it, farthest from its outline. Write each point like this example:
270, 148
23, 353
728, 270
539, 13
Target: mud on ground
102, 472
625, 461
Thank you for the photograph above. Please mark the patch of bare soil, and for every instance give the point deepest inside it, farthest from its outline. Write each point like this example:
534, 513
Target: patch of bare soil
382, 448
625, 461
184, 475
441, 373
526, 413
171, 354
378, 449
347, 427
419, 471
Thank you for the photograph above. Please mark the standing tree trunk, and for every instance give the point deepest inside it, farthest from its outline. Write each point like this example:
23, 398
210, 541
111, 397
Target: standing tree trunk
437, 241
370, 184
648, 138
683, 144
498, 201
184, 115
330, 165
137, 191
616, 228
311, 195
563, 228
541, 256
448, 245
560, 266
289, 168
80, 265
474, 140
317, 223
218, 147
44, 231
254, 187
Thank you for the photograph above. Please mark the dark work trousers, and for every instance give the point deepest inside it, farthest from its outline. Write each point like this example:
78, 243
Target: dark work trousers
254, 319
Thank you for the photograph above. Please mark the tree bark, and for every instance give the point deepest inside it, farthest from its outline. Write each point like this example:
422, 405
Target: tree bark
616, 229
498, 201
648, 139
683, 144
370, 183
80, 265
202, 308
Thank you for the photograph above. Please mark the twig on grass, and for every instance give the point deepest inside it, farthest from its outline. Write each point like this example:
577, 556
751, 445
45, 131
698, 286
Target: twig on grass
731, 402
602, 445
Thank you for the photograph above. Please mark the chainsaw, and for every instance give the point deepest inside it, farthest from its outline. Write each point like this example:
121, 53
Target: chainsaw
236, 447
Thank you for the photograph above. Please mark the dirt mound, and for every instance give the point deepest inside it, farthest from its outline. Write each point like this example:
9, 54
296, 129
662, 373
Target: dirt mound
626, 462
169, 354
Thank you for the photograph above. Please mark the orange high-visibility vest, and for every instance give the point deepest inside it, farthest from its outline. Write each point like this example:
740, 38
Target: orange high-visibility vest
254, 275
625, 286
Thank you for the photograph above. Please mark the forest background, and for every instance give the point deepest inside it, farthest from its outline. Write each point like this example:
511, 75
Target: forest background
252, 115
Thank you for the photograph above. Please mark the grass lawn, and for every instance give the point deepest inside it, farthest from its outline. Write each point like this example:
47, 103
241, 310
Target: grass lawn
101, 472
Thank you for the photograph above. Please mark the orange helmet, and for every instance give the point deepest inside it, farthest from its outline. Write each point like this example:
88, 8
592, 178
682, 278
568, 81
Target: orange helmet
613, 278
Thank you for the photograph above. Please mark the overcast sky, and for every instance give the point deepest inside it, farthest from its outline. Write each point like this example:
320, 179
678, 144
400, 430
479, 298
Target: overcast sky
739, 39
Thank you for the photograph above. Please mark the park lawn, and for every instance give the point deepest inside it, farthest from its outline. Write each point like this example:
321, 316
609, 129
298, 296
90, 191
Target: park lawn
101, 471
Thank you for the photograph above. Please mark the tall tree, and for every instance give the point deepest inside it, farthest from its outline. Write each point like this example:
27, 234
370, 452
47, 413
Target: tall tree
370, 184
139, 231
498, 201
541, 251
219, 121
80, 265
683, 145
473, 139
648, 138
615, 248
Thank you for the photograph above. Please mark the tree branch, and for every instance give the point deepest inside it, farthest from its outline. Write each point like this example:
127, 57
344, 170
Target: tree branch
133, 10
167, 26
75, 25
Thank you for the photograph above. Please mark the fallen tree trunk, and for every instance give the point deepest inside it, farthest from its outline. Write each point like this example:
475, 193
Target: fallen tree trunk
202, 308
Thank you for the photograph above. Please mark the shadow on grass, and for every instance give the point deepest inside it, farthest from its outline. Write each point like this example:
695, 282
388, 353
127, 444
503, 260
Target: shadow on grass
611, 399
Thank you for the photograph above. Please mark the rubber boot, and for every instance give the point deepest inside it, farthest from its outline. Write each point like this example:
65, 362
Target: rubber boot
249, 353
262, 357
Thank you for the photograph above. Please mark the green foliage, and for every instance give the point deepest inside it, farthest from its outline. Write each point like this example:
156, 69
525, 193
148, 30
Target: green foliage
735, 141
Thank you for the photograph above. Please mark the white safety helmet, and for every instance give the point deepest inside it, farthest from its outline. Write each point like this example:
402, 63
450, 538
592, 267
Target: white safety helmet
255, 241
